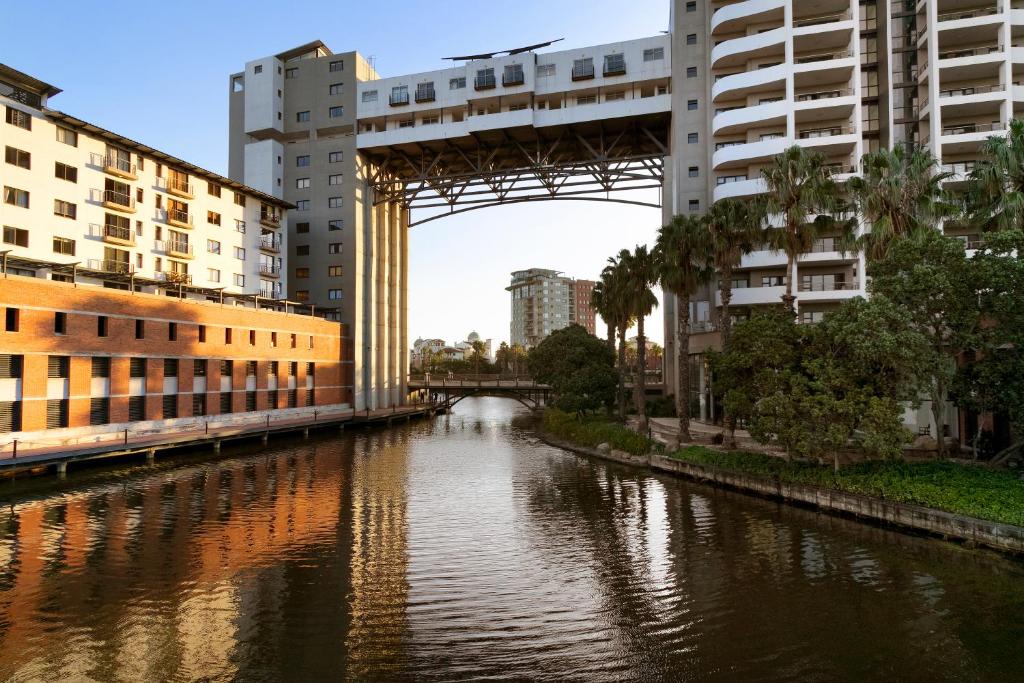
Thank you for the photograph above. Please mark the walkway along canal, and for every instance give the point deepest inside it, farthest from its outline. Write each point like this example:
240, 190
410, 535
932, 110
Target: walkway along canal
463, 546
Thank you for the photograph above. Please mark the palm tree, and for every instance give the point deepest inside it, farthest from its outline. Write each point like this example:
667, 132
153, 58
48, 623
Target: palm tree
617, 298
684, 263
995, 193
800, 189
735, 229
477, 355
603, 307
639, 272
900, 195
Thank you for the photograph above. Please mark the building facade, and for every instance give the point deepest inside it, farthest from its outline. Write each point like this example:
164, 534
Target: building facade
75, 193
544, 301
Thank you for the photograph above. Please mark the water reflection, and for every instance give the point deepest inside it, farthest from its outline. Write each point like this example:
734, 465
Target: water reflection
464, 547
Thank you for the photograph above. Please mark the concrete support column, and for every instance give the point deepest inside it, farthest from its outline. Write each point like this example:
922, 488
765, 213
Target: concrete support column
403, 305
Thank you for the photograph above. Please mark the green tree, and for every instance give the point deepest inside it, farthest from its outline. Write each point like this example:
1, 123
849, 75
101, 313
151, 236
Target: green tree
735, 229
684, 263
502, 357
928, 276
579, 368
601, 301
618, 299
899, 194
639, 272
995, 192
478, 354
800, 192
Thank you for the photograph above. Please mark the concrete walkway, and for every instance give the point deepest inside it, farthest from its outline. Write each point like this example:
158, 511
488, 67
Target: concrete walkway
665, 430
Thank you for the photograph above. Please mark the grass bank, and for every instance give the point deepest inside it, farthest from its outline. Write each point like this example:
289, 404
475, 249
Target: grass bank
591, 432
993, 495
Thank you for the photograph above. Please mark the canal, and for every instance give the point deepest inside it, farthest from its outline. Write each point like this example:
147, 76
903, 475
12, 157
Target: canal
465, 548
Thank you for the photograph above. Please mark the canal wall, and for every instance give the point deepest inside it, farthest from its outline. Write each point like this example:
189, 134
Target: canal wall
946, 525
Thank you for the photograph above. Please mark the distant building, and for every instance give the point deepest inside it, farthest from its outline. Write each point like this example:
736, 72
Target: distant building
460, 351
544, 301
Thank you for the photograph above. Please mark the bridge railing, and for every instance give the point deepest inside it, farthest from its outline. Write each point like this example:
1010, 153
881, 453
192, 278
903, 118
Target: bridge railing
469, 377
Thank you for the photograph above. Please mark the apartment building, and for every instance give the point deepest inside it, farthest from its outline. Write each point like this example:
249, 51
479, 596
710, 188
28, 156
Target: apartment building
78, 197
544, 301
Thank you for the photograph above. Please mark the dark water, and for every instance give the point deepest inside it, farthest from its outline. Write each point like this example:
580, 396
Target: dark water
464, 548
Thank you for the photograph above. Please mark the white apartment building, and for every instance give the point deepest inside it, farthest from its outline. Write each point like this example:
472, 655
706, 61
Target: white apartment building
83, 203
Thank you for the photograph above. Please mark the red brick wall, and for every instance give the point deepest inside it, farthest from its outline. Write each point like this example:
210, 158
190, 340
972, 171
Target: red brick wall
37, 301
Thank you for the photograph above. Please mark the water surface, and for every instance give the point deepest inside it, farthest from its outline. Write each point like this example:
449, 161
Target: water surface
465, 548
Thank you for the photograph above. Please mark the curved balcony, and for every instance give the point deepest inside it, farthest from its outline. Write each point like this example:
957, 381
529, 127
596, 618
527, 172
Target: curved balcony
739, 50
827, 59
734, 17
742, 84
748, 152
737, 120
740, 188
753, 296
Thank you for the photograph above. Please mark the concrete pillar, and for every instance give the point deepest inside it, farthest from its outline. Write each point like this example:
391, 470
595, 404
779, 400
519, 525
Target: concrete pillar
62, 470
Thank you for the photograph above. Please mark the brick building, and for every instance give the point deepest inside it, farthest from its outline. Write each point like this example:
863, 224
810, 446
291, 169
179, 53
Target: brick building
93, 359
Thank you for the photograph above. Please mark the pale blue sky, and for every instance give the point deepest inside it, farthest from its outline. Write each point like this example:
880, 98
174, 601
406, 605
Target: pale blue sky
158, 73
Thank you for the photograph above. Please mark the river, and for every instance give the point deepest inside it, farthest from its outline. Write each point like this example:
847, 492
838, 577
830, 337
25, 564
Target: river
463, 547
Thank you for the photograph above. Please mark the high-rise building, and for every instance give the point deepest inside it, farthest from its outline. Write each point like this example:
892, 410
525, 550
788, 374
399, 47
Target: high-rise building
544, 301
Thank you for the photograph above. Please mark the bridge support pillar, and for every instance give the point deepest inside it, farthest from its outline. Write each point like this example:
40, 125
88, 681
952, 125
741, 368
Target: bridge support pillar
62, 470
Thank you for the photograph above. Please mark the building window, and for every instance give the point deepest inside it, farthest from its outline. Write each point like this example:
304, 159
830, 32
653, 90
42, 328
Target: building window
60, 323
213, 218
140, 330
292, 72
64, 209
239, 199
18, 118
334, 248
334, 271
302, 183
302, 227
335, 157
239, 226
213, 189
302, 205
239, 281
692, 138
369, 96
302, 273
67, 136
213, 275
691, 72
302, 250
334, 202
172, 331
457, 83
252, 342
691, 6
65, 172
335, 89
258, 69
101, 326
16, 236
64, 245
302, 295
694, 205
213, 246
302, 160
691, 105
544, 70
654, 54
337, 65
335, 179
302, 116
336, 112
335, 225
691, 39
12, 319
694, 172
18, 157
15, 197
334, 294
240, 253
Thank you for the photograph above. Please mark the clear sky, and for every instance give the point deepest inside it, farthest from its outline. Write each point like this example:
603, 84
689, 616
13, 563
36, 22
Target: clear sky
158, 73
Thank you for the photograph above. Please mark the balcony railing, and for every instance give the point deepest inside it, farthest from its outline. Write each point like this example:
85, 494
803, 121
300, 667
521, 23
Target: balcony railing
118, 200
970, 14
177, 217
484, 82
119, 166
271, 242
425, 93
823, 95
118, 234
820, 19
965, 128
822, 56
270, 269
397, 99
270, 219
178, 248
582, 72
174, 277
970, 52
119, 267
819, 286
831, 131
175, 186
972, 90
959, 167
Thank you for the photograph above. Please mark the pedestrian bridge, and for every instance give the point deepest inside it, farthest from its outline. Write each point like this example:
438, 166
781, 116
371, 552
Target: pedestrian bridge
450, 389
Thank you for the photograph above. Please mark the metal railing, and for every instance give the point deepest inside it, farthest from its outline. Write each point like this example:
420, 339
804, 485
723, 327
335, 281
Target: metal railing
821, 19
269, 269
175, 185
399, 99
178, 247
120, 267
119, 164
826, 287
270, 242
270, 217
513, 76
969, 14
178, 216
970, 52
484, 82
823, 95
425, 93
118, 198
118, 232
963, 129
822, 56
972, 90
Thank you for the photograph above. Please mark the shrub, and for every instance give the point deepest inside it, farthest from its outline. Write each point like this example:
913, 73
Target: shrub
594, 431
